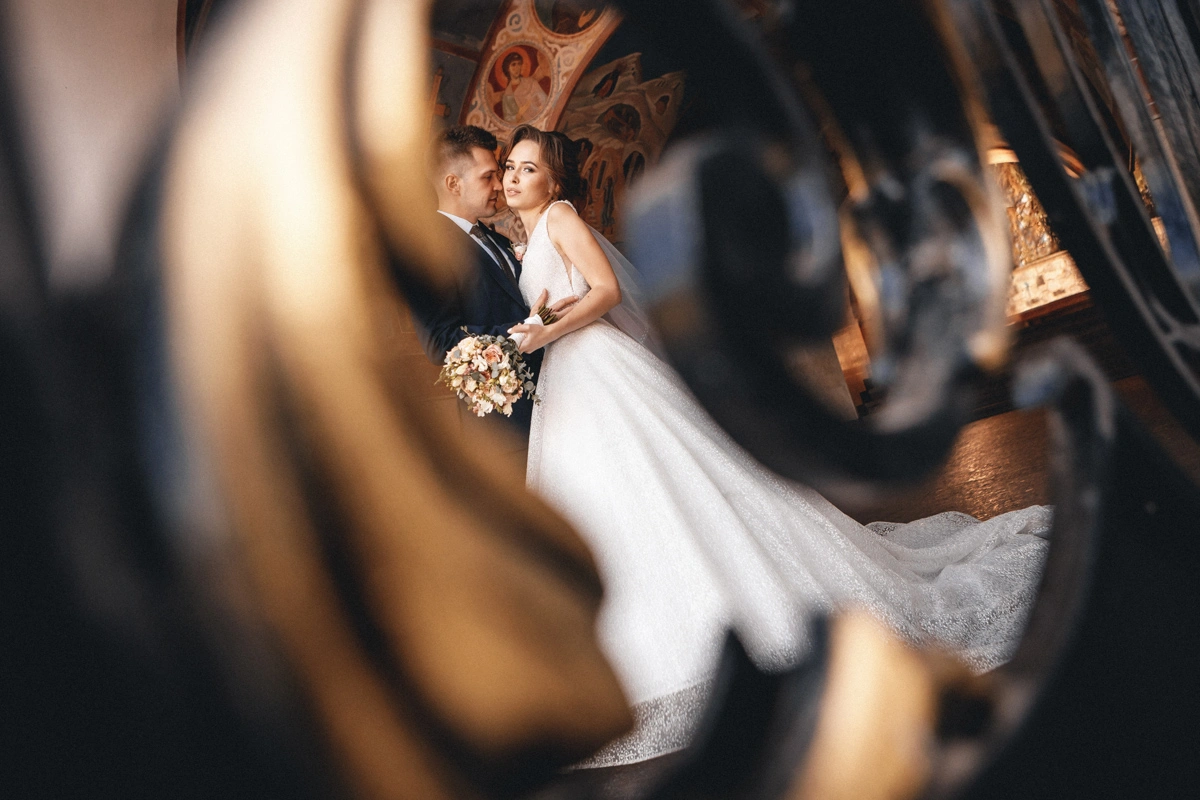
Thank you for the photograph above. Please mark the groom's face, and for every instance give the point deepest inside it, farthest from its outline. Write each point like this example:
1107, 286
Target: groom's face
480, 184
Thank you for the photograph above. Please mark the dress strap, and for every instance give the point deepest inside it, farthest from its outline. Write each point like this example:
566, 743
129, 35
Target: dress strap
543, 221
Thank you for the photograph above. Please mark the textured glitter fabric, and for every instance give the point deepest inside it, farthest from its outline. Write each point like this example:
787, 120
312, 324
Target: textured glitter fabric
662, 725
693, 536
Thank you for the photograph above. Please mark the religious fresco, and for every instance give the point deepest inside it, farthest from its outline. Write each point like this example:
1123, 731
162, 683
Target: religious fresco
531, 60
568, 17
764, 13
451, 76
568, 65
464, 23
519, 83
622, 121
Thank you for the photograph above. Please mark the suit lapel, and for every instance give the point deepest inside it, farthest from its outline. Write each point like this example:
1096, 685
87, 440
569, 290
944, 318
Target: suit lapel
505, 247
487, 266
496, 271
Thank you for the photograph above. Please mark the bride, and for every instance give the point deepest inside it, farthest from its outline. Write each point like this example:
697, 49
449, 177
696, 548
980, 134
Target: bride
692, 536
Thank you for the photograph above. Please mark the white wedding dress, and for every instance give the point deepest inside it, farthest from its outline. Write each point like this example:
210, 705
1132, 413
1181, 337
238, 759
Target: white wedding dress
692, 536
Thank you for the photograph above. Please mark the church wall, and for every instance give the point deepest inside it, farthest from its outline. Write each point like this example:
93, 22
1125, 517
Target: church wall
452, 73
623, 110
460, 28
563, 65
535, 53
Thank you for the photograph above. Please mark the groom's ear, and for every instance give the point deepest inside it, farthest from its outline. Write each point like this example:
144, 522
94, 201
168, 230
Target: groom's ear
453, 183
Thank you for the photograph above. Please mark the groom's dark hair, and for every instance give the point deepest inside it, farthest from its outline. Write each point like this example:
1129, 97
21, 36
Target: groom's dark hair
456, 142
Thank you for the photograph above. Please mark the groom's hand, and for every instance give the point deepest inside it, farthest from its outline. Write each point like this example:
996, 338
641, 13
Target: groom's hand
533, 336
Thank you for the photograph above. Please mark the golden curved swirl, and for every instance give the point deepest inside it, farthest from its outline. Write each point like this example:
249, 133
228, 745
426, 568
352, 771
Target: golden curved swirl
482, 600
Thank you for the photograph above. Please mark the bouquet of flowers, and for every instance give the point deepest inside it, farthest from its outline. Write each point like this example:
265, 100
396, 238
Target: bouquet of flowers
488, 373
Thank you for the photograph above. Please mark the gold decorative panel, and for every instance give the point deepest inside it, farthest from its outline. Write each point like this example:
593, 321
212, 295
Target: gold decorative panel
1043, 272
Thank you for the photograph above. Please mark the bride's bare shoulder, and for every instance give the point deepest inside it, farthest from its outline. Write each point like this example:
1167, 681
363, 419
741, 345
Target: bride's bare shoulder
562, 210
563, 219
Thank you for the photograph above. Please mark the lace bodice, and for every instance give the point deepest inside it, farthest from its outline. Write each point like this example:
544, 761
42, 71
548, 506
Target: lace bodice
544, 268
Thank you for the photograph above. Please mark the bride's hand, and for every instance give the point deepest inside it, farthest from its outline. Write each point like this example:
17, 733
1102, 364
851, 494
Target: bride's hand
534, 337
564, 305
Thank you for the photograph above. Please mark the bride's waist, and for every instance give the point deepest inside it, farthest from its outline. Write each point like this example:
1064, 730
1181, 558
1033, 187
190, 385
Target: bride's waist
595, 325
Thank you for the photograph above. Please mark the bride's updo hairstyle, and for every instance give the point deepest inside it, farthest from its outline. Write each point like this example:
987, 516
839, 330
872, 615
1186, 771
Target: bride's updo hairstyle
560, 157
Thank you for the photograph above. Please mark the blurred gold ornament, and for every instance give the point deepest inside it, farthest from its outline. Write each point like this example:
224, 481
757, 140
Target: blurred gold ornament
444, 652
874, 736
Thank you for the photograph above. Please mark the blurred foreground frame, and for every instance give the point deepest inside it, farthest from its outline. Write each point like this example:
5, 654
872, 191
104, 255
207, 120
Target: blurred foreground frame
335, 596
438, 618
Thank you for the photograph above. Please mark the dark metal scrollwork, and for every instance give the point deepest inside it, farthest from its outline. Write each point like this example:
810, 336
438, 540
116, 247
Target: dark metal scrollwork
739, 234
1102, 678
1102, 691
1035, 85
211, 361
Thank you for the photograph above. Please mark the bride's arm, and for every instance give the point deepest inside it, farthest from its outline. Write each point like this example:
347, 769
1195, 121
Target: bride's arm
574, 240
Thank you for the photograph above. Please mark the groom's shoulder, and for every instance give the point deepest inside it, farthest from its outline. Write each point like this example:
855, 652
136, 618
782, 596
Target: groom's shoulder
447, 225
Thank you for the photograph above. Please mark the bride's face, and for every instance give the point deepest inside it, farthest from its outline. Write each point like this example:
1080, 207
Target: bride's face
527, 184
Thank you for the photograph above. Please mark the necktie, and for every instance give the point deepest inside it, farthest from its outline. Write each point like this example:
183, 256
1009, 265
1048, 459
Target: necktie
478, 232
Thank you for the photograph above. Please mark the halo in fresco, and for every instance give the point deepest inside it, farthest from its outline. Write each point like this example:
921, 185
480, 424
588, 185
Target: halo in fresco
518, 83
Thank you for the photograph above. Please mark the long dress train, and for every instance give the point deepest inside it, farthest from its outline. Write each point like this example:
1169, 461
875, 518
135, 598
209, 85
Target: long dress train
693, 536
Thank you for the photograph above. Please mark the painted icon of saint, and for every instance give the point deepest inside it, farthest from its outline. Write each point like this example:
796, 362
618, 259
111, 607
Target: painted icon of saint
523, 97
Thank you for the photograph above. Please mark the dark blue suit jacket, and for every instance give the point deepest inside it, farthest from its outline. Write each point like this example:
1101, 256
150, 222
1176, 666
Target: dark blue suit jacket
486, 301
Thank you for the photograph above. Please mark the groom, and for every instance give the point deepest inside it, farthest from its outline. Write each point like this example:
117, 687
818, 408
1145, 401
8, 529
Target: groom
487, 299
